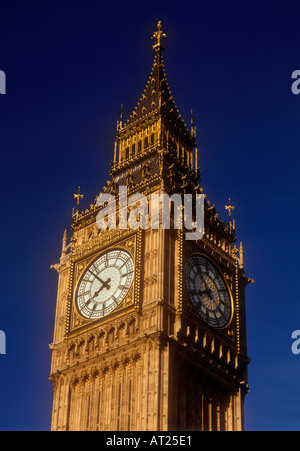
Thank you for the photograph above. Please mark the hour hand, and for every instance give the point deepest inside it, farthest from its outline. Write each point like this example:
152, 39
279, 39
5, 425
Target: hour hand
97, 292
201, 292
204, 292
105, 284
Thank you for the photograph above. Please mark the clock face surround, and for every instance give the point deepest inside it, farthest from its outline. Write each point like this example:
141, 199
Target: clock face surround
104, 284
207, 291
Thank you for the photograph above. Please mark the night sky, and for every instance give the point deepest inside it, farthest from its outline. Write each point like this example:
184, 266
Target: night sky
69, 66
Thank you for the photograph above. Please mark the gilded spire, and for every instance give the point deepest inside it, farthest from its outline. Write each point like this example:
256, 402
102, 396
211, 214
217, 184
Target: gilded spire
78, 196
230, 207
193, 128
158, 35
156, 98
120, 122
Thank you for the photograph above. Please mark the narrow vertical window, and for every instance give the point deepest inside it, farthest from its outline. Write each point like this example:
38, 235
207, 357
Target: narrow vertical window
129, 405
119, 408
98, 408
88, 412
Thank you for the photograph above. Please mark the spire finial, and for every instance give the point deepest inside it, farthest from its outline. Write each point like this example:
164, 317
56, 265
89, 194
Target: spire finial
78, 196
230, 207
158, 35
193, 128
120, 122
192, 117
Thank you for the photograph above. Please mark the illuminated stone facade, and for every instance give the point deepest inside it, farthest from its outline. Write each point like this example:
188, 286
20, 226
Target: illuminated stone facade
159, 360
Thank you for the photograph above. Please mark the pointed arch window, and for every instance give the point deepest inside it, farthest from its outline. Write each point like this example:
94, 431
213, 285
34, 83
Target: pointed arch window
145, 142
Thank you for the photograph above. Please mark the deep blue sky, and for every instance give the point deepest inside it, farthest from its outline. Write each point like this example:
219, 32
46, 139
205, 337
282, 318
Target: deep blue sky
69, 66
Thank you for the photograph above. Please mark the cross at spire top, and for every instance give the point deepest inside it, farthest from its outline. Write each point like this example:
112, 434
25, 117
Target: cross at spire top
229, 207
78, 196
158, 35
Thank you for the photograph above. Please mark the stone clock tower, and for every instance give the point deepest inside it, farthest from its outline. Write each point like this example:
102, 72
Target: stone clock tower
150, 329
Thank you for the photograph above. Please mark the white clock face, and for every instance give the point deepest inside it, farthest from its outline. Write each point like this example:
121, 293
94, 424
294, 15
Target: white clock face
105, 284
207, 291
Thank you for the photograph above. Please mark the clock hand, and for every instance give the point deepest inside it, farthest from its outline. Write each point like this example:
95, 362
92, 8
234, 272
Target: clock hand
102, 281
207, 290
97, 277
105, 284
97, 292
199, 292
203, 280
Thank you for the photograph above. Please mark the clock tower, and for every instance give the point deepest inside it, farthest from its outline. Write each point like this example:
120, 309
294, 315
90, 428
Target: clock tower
150, 328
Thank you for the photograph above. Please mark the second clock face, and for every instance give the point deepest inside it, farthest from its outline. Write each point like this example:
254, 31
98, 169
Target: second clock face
105, 284
207, 291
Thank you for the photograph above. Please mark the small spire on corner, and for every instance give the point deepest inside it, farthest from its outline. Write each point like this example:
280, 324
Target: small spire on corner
78, 197
120, 122
230, 207
193, 128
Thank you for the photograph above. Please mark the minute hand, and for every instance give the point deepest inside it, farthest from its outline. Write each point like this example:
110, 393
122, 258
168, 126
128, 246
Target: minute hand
97, 277
206, 288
